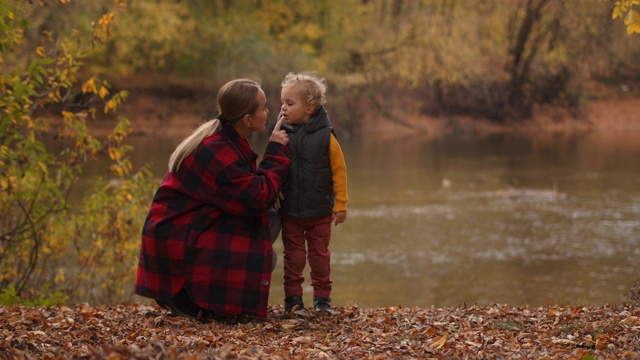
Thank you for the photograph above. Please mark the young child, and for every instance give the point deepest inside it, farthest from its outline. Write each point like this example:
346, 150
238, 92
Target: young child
314, 193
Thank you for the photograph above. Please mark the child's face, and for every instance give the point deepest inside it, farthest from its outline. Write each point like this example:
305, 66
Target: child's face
294, 108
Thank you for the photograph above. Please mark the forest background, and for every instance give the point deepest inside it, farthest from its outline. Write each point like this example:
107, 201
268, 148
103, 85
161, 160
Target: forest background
75, 75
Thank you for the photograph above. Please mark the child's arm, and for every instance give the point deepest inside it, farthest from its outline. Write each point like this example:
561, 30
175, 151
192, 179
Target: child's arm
339, 176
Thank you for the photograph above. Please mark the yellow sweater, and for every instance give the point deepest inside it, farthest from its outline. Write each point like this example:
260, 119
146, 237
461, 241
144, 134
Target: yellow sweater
339, 175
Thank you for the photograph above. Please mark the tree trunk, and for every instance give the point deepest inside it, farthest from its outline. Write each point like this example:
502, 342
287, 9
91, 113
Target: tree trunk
518, 104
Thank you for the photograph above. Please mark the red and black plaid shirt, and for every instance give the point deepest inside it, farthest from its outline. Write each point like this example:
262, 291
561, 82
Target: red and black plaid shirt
208, 227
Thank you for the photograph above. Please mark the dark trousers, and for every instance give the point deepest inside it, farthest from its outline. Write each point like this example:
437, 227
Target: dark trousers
307, 239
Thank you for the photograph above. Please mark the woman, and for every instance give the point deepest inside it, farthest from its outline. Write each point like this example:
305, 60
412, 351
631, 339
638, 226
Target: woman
206, 248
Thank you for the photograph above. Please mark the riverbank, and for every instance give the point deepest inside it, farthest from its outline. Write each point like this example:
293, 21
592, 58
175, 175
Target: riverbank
175, 109
489, 332
602, 116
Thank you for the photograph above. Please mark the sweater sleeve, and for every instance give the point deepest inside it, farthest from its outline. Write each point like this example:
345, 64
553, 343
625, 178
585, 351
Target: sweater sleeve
217, 174
338, 174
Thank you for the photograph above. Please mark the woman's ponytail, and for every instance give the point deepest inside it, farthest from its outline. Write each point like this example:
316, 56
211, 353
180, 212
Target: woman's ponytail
188, 145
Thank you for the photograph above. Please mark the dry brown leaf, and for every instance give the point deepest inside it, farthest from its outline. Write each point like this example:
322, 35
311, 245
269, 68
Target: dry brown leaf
303, 340
439, 342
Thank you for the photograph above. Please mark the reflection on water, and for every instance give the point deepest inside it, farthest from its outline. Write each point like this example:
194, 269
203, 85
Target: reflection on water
499, 219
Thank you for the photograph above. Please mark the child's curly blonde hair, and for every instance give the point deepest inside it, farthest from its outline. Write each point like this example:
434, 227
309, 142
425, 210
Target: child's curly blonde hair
313, 88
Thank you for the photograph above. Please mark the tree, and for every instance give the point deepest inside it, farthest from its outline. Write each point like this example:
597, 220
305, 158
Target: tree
45, 144
623, 9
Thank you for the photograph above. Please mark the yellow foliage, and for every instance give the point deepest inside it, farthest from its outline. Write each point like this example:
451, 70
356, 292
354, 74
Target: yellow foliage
110, 105
114, 154
103, 30
313, 31
42, 166
89, 86
632, 21
103, 92
155, 41
60, 276
623, 9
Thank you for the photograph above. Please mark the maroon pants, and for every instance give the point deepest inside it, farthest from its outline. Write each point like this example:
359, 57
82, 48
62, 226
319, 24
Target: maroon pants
316, 232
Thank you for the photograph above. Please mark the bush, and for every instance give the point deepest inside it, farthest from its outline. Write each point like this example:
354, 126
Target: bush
41, 238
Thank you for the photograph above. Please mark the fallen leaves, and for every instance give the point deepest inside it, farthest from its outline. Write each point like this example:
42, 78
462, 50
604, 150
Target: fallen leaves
439, 342
141, 331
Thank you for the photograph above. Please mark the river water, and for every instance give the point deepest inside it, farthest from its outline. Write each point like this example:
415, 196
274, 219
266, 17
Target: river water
506, 218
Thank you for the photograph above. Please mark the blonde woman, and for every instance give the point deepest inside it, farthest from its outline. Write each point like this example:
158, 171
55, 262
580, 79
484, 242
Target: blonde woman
206, 249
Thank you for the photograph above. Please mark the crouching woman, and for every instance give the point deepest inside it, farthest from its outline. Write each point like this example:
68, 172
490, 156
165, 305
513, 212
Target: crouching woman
206, 250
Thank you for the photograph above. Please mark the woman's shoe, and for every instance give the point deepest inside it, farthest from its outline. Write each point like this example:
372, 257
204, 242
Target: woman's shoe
181, 305
175, 311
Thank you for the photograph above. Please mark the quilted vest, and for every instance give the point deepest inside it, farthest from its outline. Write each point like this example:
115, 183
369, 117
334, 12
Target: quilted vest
308, 188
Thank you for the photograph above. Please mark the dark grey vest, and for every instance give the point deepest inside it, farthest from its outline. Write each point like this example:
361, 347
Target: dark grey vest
308, 189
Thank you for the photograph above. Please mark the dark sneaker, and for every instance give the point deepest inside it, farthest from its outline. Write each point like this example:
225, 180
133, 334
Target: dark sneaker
322, 305
294, 304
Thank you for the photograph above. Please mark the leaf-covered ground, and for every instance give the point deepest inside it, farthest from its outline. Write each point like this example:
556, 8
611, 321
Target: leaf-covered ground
140, 331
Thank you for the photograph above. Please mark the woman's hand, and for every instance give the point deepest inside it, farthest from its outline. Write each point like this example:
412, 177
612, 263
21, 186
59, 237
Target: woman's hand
278, 135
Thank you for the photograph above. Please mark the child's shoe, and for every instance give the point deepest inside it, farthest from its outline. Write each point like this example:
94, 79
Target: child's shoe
294, 305
322, 305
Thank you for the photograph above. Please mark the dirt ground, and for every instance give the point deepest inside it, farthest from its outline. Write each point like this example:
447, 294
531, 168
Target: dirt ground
137, 331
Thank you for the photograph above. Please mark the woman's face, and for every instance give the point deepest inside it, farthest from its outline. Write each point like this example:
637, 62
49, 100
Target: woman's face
294, 109
259, 117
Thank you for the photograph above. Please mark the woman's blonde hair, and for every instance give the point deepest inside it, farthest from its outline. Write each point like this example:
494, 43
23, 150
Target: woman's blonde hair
313, 88
235, 99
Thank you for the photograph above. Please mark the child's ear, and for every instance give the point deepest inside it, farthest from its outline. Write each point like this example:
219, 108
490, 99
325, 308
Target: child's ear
311, 108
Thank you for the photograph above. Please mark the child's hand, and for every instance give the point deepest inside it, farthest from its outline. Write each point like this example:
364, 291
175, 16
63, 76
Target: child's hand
339, 217
278, 198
